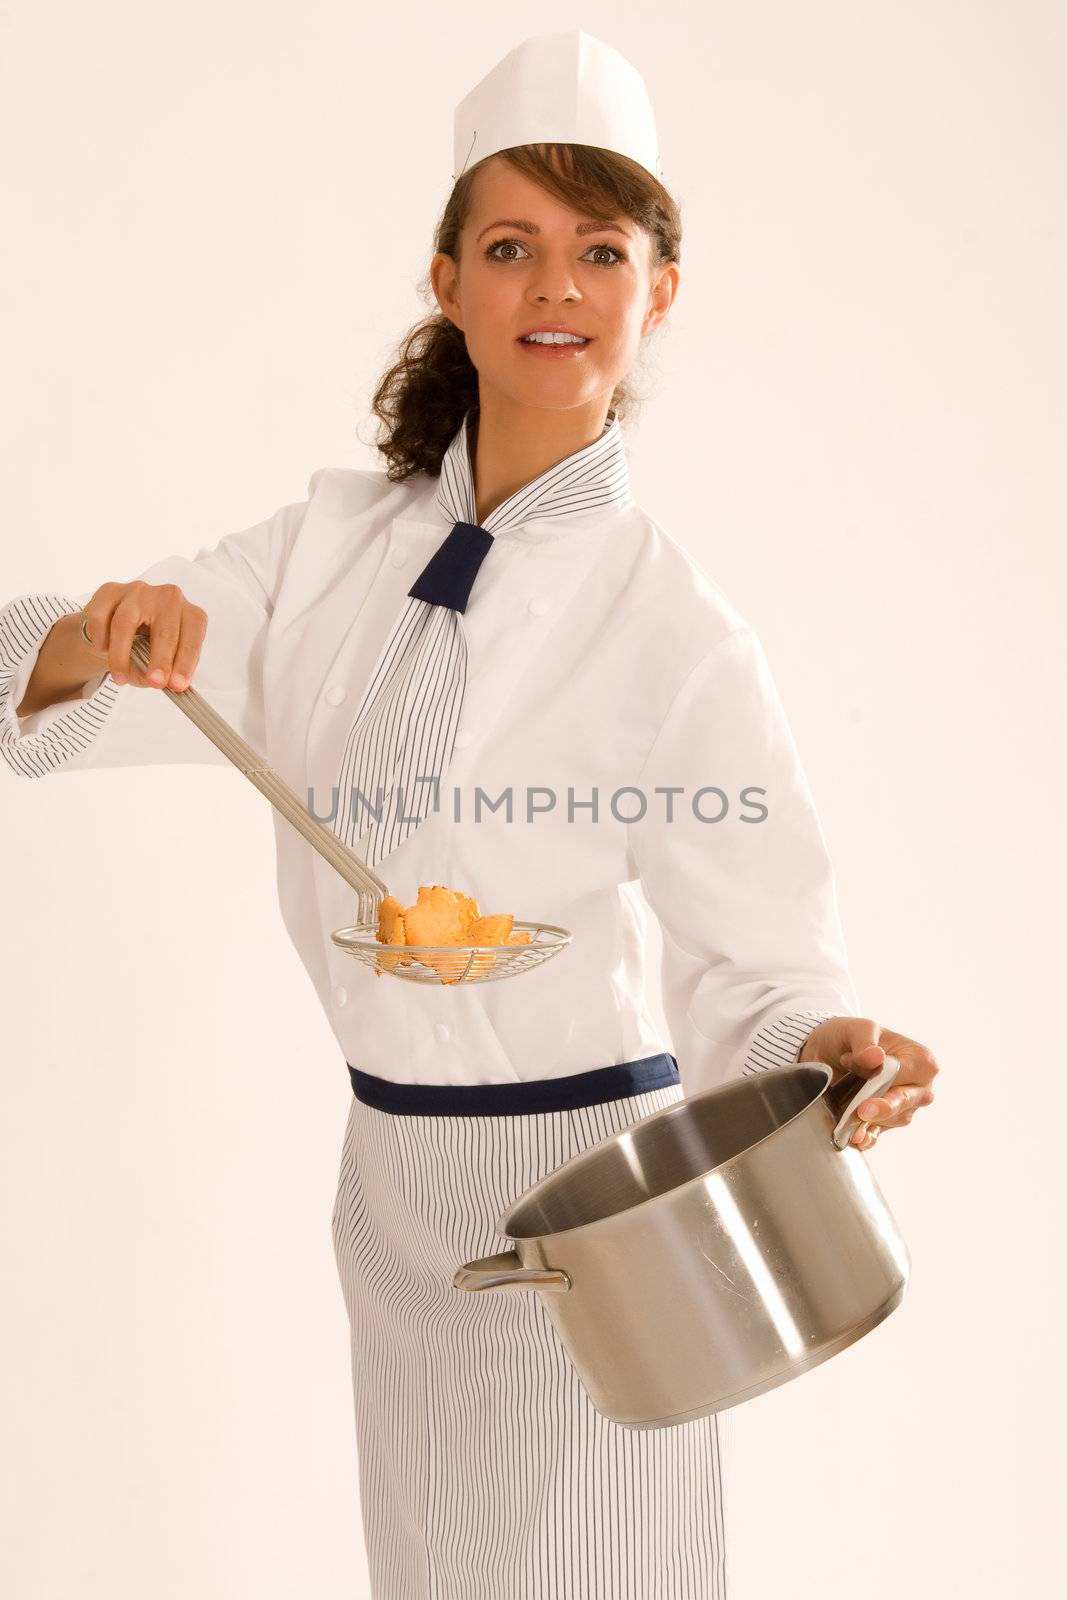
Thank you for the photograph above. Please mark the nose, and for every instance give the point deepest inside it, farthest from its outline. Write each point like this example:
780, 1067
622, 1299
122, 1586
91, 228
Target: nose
555, 283
545, 302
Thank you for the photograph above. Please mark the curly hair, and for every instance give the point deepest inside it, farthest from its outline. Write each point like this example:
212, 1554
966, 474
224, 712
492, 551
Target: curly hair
424, 396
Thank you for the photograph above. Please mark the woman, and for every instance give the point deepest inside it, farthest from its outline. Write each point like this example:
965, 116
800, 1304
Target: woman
592, 656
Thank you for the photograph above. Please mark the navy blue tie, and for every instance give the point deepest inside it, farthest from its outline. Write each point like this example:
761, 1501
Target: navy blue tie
448, 577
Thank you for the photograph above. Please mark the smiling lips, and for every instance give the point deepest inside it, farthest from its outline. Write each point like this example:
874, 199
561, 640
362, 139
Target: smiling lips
553, 327
554, 343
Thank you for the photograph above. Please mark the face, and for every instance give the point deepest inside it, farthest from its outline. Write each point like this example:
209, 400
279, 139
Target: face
526, 258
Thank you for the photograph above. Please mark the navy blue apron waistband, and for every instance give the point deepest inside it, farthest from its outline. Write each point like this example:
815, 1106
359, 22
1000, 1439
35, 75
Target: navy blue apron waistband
512, 1099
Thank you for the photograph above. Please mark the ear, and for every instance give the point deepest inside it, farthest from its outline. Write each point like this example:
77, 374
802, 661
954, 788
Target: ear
661, 296
444, 279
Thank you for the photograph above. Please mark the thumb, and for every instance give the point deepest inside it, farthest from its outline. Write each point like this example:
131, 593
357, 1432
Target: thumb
859, 1045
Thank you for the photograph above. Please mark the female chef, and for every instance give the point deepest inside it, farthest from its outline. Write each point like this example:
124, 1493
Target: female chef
495, 607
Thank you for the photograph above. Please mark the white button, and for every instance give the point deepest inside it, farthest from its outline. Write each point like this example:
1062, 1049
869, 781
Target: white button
539, 607
340, 996
442, 1031
335, 694
398, 557
462, 740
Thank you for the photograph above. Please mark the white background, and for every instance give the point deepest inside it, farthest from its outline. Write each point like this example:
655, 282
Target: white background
216, 216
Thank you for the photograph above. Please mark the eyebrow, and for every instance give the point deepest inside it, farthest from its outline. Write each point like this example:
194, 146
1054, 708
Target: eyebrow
524, 226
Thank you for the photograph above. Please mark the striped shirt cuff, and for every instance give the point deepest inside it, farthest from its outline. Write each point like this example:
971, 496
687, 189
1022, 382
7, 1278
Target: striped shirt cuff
41, 743
780, 1041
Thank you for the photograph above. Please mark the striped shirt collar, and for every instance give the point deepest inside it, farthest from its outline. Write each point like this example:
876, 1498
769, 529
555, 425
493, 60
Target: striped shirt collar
593, 478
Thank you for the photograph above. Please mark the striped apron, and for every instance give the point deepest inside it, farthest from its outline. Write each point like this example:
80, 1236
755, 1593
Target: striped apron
485, 1472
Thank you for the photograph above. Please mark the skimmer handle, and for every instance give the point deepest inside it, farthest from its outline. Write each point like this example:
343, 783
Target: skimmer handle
343, 860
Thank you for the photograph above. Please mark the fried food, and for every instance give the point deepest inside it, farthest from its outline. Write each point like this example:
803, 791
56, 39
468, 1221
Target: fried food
390, 914
443, 916
439, 916
391, 931
491, 930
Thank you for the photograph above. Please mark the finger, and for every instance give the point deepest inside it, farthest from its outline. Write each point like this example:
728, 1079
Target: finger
894, 1102
872, 1055
165, 628
857, 1037
97, 617
911, 1089
865, 1063
127, 618
193, 627
916, 1062
865, 1135
838, 1036
863, 1068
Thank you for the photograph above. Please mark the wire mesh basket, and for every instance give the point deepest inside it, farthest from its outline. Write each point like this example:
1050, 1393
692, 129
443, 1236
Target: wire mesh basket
449, 963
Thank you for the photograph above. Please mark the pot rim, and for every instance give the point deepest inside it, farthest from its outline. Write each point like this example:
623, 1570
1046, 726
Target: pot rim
590, 1152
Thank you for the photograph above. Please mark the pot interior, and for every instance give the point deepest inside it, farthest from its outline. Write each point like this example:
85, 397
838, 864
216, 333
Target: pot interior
663, 1151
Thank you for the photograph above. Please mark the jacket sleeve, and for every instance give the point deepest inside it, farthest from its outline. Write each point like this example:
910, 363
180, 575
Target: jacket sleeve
236, 582
739, 878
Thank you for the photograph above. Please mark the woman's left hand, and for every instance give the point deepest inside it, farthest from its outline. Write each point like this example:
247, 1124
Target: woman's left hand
856, 1044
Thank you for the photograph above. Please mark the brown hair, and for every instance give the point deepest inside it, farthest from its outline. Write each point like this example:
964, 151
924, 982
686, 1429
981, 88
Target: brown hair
423, 397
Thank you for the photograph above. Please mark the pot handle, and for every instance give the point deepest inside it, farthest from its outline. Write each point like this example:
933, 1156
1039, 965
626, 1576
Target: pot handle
506, 1271
851, 1091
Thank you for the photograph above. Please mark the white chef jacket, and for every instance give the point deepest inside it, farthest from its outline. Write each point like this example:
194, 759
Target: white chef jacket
601, 661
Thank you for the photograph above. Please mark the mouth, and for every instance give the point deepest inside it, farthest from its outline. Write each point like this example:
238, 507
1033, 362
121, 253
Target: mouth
552, 347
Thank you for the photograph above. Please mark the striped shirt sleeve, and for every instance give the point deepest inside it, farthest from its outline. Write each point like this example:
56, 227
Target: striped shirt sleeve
739, 878
236, 582
780, 1041
35, 745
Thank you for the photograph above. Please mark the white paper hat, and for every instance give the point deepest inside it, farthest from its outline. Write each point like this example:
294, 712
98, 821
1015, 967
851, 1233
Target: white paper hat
558, 88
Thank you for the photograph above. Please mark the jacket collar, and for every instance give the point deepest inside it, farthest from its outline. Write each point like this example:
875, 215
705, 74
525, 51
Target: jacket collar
594, 478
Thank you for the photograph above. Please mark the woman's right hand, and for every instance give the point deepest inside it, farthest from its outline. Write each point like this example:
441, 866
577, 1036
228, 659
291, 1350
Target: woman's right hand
173, 626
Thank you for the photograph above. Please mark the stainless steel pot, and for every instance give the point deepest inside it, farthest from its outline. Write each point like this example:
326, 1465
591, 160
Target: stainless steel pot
711, 1251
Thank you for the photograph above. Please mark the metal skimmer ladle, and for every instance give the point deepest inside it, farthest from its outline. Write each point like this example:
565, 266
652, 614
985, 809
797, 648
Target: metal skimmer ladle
417, 963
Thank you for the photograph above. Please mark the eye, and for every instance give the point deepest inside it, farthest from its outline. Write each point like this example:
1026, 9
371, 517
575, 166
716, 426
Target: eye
491, 250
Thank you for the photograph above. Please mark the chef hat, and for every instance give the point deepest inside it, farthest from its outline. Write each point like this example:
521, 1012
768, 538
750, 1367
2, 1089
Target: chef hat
558, 88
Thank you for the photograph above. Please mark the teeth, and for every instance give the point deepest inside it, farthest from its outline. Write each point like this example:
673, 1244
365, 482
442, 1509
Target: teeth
553, 338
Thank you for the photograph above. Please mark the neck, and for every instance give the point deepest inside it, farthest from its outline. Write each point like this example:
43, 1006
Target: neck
511, 443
